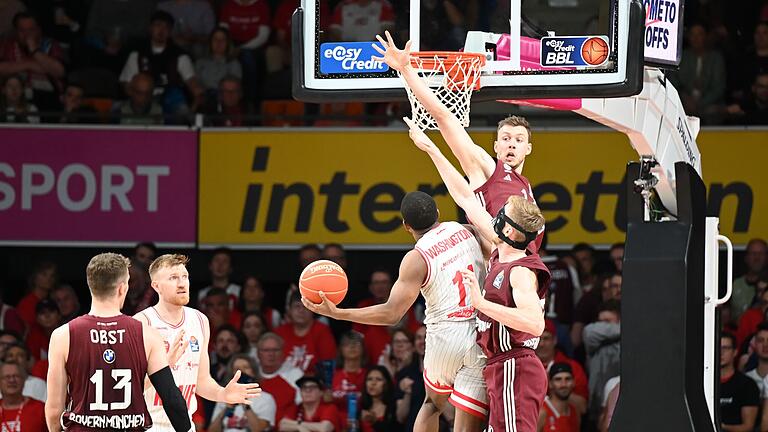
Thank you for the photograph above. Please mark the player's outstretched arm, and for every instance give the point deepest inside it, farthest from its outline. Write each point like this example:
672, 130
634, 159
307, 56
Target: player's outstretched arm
457, 186
57, 377
477, 164
161, 377
528, 313
207, 387
413, 271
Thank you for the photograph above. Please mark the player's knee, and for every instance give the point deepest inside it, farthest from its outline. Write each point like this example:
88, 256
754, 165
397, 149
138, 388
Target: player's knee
434, 401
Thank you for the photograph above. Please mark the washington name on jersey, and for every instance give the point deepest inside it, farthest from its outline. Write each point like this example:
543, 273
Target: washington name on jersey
448, 249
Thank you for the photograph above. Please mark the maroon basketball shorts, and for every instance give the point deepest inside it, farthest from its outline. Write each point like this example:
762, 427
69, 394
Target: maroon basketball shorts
516, 389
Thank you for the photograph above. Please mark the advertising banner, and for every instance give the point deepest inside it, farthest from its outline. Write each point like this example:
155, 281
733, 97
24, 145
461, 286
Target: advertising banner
99, 186
280, 189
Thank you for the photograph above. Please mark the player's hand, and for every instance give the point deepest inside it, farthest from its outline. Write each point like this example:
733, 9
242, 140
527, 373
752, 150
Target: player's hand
419, 138
470, 281
398, 59
236, 393
177, 348
326, 307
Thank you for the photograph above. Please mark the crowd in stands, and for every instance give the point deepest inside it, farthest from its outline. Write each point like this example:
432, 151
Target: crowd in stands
314, 370
145, 62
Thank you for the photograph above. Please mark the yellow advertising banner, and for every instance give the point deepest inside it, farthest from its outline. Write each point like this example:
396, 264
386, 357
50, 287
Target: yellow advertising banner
287, 188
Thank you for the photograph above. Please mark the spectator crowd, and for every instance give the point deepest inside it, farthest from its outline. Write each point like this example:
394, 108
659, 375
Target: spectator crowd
161, 62
343, 377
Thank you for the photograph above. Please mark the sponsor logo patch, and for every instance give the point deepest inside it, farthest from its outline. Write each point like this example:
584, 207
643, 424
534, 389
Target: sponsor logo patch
108, 356
350, 57
559, 51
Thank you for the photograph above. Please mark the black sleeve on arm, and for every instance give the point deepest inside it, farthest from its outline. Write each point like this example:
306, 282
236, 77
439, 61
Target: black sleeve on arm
173, 402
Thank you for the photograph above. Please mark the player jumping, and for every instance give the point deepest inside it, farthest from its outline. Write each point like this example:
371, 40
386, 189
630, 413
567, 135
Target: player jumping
452, 361
510, 308
492, 181
99, 361
186, 333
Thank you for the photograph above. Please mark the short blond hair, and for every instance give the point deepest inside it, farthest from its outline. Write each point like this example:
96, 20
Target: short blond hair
515, 121
525, 213
104, 272
167, 261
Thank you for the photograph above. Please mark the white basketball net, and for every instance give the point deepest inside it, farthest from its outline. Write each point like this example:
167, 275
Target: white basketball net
452, 81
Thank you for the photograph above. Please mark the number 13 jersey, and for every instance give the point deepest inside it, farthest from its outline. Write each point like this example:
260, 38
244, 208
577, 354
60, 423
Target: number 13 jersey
106, 366
447, 249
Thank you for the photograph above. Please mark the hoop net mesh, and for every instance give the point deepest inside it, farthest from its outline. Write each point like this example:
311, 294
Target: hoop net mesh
452, 76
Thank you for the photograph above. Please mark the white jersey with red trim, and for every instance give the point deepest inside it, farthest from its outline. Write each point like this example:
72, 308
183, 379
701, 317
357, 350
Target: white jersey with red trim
185, 369
447, 249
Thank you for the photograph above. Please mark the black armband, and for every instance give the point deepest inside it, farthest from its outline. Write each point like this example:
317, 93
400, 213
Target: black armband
173, 402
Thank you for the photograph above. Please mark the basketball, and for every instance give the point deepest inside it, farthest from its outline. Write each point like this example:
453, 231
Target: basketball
594, 51
325, 276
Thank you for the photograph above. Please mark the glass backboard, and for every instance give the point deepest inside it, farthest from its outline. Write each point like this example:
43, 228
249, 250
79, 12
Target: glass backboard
534, 48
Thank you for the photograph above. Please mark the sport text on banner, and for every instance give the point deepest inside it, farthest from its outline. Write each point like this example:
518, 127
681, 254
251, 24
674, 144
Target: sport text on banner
97, 186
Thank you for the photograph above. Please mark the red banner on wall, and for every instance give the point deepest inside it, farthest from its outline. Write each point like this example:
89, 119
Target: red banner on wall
72, 186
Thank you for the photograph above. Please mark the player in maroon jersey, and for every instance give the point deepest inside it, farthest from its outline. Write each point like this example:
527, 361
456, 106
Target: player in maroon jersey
98, 362
510, 309
493, 181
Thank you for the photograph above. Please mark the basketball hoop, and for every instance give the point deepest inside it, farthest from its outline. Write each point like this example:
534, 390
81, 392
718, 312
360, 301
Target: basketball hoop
453, 76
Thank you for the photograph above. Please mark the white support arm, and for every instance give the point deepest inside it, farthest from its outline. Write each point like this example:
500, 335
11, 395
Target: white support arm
654, 121
656, 125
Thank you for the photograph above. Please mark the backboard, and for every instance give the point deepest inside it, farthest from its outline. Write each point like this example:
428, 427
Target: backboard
534, 48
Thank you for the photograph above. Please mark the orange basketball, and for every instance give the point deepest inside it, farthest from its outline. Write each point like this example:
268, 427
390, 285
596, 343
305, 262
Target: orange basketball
594, 51
325, 276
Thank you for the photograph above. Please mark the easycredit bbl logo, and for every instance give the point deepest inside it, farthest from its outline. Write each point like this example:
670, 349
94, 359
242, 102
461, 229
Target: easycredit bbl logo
350, 57
558, 51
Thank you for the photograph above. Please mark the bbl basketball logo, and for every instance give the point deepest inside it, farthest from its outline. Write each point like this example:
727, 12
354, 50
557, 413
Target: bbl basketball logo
108, 356
559, 51
194, 345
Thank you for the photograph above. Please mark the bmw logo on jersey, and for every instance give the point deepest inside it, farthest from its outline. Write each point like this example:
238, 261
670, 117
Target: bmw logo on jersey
108, 356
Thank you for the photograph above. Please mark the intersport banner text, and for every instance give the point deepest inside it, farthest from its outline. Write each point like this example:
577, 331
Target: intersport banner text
280, 189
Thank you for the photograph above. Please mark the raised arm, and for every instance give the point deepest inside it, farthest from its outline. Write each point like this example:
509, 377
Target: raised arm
57, 378
413, 270
477, 164
457, 186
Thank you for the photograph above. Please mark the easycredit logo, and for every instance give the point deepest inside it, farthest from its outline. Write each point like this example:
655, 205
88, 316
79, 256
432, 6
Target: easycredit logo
350, 57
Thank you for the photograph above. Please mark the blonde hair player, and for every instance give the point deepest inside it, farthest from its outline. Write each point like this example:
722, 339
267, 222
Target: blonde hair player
186, 333
99, 361
452, 363
492, 181
510, 308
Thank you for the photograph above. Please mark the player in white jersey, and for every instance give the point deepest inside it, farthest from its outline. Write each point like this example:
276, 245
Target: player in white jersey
186, 333
453, 363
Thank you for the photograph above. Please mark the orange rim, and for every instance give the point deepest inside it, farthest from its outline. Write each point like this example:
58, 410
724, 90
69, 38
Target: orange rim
432, 60
428, 60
